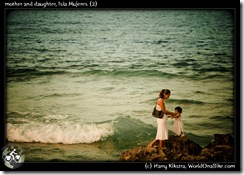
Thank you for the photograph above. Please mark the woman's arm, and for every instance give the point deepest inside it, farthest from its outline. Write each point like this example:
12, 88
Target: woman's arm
162, 105
176, 116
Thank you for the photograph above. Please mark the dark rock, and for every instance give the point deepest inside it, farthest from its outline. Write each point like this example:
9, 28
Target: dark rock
185, 150
183, 144
219, 153
223, 139
143, 154
175, 146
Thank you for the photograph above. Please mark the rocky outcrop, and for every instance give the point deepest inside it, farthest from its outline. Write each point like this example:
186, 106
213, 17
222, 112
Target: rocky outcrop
184, 150
221, 150
143, 154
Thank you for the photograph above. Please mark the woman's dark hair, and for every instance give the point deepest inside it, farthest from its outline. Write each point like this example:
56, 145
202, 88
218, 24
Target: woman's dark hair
164, 91
179, 109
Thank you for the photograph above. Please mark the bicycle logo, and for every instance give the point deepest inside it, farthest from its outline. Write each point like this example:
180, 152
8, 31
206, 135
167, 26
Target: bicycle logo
13, 157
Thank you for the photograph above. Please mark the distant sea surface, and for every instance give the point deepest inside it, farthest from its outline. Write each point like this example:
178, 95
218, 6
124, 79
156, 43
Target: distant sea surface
81, 84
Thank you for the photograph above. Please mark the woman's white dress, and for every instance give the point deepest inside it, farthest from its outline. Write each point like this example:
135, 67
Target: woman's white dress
162, 129
177, 126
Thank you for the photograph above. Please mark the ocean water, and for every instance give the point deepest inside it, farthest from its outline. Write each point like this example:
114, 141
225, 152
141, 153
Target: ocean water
81, 84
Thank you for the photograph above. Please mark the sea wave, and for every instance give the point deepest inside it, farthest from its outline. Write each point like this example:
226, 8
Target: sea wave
59, 95
19, 72
186, 101
130, 73
178, 101
25, 73
72, 132
65, 133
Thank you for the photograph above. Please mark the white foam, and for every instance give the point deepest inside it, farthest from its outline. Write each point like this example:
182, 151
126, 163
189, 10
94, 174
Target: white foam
55, 116
66, 133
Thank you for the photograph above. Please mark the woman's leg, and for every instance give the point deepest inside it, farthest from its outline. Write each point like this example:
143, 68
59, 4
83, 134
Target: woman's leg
152, 143
161, 143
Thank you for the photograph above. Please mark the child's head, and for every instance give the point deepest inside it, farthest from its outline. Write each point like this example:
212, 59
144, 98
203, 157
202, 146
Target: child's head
178, 109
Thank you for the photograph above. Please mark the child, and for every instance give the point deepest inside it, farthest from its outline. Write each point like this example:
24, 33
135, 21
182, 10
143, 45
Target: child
177, 127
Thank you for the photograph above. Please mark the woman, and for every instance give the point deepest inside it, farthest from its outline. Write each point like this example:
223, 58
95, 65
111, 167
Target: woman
162, 129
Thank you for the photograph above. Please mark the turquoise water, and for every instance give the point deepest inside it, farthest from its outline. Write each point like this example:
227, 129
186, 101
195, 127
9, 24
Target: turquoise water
81, 84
